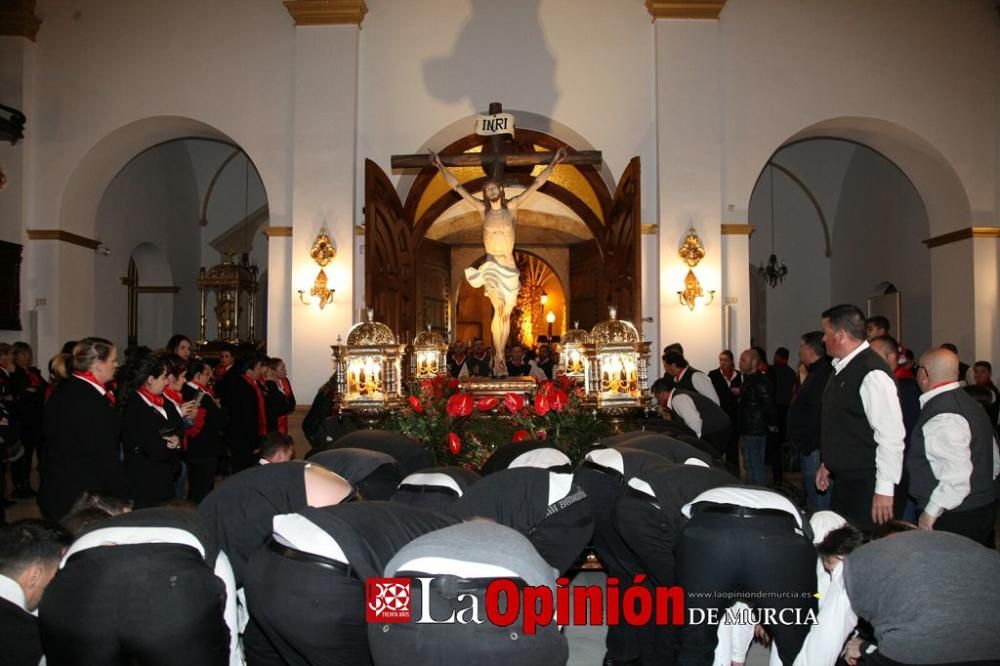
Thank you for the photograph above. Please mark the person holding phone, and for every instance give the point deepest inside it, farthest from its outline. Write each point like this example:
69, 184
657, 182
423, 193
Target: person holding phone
151, 430
204, 436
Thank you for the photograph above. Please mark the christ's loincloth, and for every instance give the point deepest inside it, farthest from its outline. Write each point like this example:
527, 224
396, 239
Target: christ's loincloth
500, 283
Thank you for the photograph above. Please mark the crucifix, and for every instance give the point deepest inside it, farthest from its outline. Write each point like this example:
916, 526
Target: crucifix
498, 275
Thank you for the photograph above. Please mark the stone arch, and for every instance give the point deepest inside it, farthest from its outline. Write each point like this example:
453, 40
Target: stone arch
934, 178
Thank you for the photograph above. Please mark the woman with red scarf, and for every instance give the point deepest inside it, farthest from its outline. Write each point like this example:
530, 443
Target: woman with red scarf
279, 397
82, 432
204, 436
28, 387
177, 373
245, 401
151, 431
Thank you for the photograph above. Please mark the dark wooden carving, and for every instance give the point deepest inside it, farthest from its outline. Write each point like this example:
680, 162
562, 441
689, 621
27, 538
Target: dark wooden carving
622, 251
586, 284
10, 286
389, 255
432, 284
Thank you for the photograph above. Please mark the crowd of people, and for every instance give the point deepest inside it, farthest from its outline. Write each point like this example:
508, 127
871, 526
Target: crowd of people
893, 561
476, 360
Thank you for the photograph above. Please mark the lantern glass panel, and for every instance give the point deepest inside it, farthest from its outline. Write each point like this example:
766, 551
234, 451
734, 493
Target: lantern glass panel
619, 375
364, 378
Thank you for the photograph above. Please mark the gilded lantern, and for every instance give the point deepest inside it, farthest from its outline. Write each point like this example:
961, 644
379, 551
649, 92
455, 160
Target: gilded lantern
429, 353
618, 380
369, 370
575, 356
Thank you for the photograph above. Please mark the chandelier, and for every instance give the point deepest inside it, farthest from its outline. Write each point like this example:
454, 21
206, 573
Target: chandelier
775, 271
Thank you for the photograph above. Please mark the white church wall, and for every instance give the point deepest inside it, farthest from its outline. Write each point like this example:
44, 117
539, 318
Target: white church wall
877, 236
787, 66
103, 65
152, 201
795, 305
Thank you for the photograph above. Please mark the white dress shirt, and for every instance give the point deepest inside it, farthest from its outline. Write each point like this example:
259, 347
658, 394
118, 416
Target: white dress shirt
880, 400
948, 446
702, 384
684, 407
11, 590
122, 536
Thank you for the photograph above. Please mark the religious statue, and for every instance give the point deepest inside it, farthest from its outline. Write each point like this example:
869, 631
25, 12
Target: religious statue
498, 274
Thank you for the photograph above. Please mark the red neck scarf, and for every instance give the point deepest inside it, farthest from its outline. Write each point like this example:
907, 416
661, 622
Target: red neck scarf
175, 396
88, 376
285, 387
151, 397
261, 411
33, 377
728, 375
201, 387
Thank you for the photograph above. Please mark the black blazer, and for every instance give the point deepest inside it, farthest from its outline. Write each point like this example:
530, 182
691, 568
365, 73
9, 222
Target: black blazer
729, 402
28, 399
243, 431
22, 645
149, 464
82, 450
206, 443
276, 405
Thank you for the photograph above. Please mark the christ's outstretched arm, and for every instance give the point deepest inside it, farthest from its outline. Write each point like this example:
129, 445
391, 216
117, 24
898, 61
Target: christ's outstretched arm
538, 182
453, 183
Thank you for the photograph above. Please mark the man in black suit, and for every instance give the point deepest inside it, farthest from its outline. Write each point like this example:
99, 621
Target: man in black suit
30, 551
805, 416
728, 381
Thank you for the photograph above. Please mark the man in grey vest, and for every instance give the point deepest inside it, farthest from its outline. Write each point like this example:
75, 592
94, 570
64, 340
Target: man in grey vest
861, 442
953, 455
708, 421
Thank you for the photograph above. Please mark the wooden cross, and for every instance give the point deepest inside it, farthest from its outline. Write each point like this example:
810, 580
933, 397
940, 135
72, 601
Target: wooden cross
496, 159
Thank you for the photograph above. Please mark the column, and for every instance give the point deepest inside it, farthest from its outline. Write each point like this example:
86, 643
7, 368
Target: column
689, 154
324, 161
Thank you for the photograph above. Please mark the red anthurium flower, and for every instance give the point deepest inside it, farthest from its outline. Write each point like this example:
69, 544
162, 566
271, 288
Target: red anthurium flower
514, 402
453, 384
454, 444
566, 382
415, 403
427, 386
541, 404
521, 435
487, 404
558, 400
541, 435
460, 404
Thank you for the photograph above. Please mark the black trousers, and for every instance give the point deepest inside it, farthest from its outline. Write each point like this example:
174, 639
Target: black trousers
721, 557
380, 484
148, 604
851, 497
719, 440
646, 530
624, 642
486, 644
561, 537
303, 613
976, 524
775, 442
20, 469
201, 477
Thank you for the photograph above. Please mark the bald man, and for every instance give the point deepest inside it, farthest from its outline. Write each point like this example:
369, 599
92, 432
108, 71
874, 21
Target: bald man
953, 458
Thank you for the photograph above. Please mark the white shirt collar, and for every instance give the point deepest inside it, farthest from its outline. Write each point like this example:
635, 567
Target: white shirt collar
841, 363
11, 590
158, 408
99, 389
950, 386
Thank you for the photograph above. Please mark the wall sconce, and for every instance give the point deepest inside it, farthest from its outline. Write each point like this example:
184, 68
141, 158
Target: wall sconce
692, 252
322, 253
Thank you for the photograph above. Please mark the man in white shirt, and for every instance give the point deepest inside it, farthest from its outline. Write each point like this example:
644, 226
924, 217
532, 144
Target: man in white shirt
30, 551
687, 377
862, 425
953, 458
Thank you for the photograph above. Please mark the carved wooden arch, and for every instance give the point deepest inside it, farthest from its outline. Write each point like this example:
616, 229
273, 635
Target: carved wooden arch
525, 142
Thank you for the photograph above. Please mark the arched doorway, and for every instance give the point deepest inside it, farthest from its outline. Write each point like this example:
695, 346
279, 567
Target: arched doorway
843, 217
196, 201
407, 244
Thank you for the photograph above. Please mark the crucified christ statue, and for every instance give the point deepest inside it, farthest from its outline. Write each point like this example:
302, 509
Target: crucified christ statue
498, 274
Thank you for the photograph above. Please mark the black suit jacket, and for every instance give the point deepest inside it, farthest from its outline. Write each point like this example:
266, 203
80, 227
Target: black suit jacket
19, 638
149, 464
82, 450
